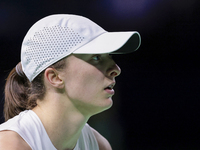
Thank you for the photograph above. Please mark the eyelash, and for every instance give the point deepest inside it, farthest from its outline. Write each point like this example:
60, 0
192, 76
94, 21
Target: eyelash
97, 56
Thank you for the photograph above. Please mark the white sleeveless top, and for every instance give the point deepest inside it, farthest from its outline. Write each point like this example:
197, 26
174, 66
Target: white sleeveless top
28, 125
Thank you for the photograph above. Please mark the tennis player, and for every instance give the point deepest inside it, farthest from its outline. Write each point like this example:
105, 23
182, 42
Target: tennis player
65, 76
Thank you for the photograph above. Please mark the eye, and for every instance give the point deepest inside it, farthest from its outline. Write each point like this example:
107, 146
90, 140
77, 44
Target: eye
96, 57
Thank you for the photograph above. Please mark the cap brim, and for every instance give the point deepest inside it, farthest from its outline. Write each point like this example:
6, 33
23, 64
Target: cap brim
112, 42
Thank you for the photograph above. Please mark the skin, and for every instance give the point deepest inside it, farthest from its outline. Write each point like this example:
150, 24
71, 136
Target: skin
10, 140
73, 95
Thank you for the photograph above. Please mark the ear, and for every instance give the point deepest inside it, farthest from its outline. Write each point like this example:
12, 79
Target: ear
52, 76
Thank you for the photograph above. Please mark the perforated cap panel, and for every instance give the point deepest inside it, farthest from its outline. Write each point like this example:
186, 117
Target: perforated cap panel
51, 42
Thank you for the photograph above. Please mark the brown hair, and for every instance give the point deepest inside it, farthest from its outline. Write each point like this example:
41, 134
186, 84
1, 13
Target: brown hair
20, 93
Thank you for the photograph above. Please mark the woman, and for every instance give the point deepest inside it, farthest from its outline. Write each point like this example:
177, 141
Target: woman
65, 76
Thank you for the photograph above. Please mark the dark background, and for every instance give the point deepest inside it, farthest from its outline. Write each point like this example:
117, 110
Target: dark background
156, 105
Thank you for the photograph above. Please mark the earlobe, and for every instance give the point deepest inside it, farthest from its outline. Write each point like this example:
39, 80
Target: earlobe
53, 78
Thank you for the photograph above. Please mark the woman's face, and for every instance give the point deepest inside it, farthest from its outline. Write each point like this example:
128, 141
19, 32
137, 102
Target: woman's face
89, 80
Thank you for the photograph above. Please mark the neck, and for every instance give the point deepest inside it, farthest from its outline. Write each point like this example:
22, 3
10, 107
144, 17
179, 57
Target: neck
63, 123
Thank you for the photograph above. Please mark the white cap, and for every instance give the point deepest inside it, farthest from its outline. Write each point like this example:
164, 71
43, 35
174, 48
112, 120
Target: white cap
57, 36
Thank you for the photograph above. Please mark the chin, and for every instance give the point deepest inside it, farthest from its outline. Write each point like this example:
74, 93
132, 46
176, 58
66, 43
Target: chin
105, 107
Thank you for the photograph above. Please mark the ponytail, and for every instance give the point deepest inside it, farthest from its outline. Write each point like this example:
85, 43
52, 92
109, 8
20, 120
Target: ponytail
21, 94
16, 92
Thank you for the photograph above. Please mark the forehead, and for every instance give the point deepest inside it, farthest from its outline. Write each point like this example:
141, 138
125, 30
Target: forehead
83, 56
88, 56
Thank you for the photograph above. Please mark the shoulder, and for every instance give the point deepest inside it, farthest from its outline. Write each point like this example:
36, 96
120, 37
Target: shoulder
102, 142
15, 141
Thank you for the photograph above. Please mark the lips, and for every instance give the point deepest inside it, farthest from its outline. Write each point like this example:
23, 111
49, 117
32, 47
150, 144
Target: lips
111, 86
109, 89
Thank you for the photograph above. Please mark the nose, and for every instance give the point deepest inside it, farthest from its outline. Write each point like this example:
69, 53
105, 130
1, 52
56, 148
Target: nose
114, 71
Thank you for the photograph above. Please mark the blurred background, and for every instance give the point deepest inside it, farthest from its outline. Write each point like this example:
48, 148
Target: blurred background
156, 105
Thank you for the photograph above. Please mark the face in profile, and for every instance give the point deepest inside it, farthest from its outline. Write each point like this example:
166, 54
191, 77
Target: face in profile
89, 80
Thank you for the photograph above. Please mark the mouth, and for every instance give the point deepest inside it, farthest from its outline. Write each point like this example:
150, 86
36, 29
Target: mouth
109, 89
110, 86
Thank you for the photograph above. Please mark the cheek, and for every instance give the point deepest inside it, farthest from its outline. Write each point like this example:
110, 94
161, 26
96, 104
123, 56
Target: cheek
84, 84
